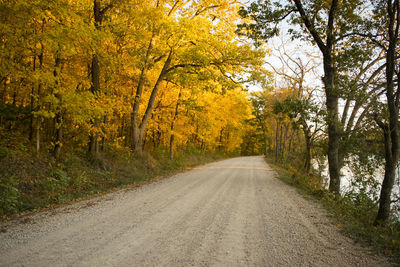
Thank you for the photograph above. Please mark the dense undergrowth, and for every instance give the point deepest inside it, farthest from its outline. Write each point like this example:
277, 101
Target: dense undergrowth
354, 213
29, 181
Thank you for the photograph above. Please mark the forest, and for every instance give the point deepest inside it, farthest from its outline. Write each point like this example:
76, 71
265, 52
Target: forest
95, 94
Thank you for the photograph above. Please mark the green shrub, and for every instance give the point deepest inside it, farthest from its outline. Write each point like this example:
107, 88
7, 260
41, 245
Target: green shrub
9, 195
55, 183
79, 181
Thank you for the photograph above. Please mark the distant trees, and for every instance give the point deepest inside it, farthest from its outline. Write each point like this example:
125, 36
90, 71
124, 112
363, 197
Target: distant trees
293, 105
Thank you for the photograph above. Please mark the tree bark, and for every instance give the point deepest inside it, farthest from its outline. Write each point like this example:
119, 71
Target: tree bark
39, 90
98, 12
330, 90
103, 138
95, 89
390, 130
388, 181
333, 125
308, 138
265, 142
172, 138
58, 117
138, 131
276, 140
31, 107
37, 138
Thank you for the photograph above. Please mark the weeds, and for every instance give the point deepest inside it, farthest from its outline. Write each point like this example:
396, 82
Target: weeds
28, 182
9, 195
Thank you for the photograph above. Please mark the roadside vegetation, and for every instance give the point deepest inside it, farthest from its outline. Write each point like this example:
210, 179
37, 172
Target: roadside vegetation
30, 182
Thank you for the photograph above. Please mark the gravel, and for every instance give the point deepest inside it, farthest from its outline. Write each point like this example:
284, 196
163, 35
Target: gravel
229, 213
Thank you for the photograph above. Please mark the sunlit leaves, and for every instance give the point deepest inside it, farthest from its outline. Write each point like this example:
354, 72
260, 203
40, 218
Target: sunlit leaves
208, 68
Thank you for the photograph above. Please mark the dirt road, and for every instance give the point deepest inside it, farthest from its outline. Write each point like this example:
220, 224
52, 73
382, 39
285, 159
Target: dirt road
229, 213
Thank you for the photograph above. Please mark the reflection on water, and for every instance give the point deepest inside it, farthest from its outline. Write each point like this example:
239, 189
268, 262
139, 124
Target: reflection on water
352, 183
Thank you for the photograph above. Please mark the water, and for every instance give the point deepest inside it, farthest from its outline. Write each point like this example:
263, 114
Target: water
349, 183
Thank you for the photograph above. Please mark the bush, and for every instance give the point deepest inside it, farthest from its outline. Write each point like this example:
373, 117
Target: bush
9, 195
55, 184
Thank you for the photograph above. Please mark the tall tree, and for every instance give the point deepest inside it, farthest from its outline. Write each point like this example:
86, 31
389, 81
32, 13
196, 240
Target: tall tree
99, 11
326, 24
387, 15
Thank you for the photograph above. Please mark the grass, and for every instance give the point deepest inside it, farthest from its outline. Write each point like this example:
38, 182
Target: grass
29, 182
353, 214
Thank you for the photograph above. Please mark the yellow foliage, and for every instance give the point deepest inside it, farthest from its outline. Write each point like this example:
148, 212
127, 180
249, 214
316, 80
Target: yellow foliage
47, 69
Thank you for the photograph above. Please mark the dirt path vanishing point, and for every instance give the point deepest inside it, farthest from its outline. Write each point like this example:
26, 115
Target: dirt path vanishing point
228, 213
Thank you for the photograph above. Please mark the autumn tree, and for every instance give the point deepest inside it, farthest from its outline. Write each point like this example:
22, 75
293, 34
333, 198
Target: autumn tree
261, 114
200, 42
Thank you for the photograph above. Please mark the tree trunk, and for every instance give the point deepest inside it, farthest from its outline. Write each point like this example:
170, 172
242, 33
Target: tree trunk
390, 130
291, 142
388, 181
308, 161
330, 89
276, 140
135, 130
58, 136
58, 116
39, 91
333, 129
221, 135
103, 138
138, 141
172, 138
93, 147
308, 138
138, 131
38, 137
285, 139
98, 12
265, 142
31, 107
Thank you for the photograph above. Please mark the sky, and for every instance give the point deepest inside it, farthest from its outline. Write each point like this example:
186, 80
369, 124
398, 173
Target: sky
299, 51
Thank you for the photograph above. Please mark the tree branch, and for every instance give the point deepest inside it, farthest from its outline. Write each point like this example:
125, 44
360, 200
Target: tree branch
309, 25
380, 123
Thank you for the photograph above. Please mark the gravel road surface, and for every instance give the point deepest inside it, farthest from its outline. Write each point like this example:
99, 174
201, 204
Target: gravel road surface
229, 213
